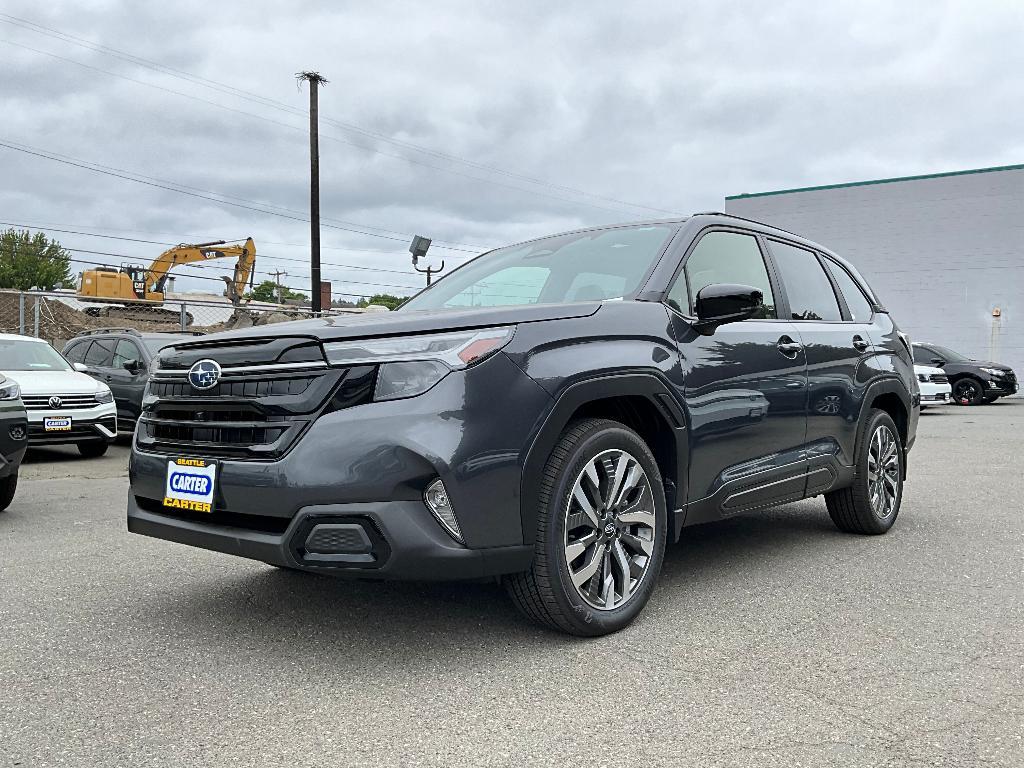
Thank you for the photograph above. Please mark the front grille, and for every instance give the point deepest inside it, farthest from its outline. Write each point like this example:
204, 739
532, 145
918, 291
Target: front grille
42, 402
256, 412
285, 385
940, 378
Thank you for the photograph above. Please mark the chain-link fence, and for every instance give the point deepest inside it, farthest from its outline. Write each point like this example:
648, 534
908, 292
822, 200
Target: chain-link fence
58, 316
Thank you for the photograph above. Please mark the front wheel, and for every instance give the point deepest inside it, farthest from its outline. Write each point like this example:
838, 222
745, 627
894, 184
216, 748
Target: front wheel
968, 392
7, 488
870, 505
601, 530
93, 449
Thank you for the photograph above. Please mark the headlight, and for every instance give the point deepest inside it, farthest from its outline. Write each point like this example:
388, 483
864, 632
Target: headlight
993, 371
410, 365
10, 390
105, 397
922, 377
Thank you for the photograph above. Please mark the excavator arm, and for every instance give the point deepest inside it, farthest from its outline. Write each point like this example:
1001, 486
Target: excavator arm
157, 274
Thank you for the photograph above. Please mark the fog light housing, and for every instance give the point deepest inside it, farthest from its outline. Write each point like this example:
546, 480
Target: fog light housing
437, 501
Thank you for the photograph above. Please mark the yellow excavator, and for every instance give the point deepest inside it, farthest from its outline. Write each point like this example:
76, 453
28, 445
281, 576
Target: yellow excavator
138, 286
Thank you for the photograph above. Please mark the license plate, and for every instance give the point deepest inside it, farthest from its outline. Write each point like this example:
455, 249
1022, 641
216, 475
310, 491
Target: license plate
57, 424
190, 484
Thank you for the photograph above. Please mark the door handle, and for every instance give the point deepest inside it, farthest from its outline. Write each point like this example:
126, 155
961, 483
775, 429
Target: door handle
788, 347
859, 344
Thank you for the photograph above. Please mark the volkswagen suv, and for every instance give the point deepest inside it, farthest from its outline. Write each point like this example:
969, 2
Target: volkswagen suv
65, 407
552, 414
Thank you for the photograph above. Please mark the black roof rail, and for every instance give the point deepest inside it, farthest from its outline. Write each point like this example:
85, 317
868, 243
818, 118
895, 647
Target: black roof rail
752, 221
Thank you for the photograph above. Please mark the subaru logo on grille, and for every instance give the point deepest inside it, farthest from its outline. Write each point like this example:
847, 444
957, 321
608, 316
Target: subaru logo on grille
205, 374
55, 402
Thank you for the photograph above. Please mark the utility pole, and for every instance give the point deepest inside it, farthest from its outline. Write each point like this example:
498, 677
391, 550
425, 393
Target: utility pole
315, 80
277, 279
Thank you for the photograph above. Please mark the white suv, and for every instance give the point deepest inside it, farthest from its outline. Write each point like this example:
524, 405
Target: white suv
64, 405
934, 384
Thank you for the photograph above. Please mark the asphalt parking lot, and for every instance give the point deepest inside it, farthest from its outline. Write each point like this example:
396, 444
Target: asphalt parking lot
772, 640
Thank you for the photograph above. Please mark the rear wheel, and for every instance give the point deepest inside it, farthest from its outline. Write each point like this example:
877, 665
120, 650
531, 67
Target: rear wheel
93, 449
870, 505
7, 488
968, 391
601, 529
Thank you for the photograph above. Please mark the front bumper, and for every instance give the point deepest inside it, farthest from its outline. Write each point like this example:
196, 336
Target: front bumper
87, 424
1001, 386
13, 442
408, 544
371, 463
935, 393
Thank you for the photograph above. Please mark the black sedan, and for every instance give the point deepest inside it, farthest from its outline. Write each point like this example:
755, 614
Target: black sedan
973, 381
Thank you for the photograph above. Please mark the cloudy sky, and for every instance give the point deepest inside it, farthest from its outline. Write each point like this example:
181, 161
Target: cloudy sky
474, 123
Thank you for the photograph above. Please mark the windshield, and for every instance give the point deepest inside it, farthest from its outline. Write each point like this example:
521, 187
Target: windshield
585, 266
924, 354
30, 356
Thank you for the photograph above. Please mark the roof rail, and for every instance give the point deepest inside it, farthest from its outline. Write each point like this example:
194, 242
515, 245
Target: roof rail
94, 331
752, 221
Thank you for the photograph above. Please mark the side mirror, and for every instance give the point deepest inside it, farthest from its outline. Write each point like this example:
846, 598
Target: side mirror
133, 366
938, 362
80, 367
723, 303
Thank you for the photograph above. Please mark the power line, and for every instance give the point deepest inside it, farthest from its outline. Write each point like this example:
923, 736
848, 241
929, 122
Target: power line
178, 188
260, 254
267, 102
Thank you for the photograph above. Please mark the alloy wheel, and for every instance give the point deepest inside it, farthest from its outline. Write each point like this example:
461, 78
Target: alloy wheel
883, 472
609, 529
967, 391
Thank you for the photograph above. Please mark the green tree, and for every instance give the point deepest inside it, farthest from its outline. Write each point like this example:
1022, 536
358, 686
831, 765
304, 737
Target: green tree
267, 291
32, 261
384, 300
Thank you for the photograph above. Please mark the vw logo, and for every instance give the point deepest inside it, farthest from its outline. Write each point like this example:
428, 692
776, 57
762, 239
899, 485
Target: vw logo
204, 375
55, 402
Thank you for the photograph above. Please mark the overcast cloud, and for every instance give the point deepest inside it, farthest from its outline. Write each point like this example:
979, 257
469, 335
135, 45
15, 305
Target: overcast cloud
668, 105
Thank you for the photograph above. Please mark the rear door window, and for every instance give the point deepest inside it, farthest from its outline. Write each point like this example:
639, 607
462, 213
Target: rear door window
856, 301
100, 354
76, 352
807, 286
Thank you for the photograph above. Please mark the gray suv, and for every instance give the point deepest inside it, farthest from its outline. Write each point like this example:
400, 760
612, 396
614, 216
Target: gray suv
552, 414
121, 358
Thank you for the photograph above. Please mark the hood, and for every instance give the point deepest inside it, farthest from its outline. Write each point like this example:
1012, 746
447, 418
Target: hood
985, 364
55, 382
410, 321
927, 369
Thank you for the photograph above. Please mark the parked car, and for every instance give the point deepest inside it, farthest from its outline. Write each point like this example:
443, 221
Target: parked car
13, 439
973, 381
552, 413
65, 406
934, 385
121, 358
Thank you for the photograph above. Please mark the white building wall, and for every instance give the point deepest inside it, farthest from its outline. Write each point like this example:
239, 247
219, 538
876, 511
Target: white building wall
942, 252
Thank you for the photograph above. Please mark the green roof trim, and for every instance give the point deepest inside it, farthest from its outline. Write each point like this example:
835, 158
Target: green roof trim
877, 181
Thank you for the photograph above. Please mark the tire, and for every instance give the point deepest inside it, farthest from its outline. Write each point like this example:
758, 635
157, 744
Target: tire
858, 508
968, 391
592, 450
93, 449
7, 488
